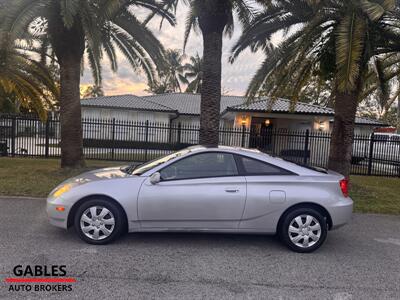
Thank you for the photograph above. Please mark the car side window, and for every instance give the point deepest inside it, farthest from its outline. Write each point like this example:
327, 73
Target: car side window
211, 164
256, 167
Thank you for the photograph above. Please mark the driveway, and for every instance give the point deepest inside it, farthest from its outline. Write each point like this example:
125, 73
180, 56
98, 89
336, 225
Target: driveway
361, 260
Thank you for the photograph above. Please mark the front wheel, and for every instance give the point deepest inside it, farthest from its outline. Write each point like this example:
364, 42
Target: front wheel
98, 222
303, 230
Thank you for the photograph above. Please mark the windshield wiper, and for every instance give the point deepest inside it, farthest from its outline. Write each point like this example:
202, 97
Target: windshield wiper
132, 167
129, 169
125, 169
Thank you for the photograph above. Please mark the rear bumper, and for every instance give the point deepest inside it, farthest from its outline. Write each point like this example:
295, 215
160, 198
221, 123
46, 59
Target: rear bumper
341, 212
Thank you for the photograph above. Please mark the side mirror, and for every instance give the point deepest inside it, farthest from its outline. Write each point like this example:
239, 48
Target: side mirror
155, 178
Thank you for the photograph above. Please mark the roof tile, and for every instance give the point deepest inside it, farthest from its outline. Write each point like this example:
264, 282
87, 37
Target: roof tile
125, 102
189, 104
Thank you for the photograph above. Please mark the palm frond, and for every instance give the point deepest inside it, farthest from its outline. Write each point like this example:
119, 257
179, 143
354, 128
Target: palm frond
69, 10
374, 10
350, 41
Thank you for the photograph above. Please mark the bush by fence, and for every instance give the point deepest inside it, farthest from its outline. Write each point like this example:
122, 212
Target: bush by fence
141, 141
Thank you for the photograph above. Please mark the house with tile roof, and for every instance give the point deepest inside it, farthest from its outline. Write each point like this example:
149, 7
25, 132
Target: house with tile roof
235, 111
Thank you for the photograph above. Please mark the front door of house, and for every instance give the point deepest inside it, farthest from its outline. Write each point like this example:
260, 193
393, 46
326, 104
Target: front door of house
261, 133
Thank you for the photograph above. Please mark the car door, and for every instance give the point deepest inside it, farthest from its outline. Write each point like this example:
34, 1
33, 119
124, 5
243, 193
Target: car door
267, 187
202, 190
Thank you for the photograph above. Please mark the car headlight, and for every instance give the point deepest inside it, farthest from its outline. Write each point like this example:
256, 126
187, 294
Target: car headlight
62, 189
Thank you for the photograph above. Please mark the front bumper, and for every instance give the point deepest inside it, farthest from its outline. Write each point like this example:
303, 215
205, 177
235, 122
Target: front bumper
341, 212
56, 217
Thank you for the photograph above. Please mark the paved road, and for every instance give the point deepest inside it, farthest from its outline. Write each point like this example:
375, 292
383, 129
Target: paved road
361, 260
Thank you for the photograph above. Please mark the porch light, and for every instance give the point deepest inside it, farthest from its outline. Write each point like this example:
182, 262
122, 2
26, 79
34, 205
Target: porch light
267, 122
321, 125
244, 120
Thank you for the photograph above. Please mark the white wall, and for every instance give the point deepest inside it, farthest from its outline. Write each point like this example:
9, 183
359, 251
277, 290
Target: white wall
125, 115
363, 130
188, 122
121, 132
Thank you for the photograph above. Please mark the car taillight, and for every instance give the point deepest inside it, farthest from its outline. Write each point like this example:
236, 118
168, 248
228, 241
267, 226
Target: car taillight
344, 186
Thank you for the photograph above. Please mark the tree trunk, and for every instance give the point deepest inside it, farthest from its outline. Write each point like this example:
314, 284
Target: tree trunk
211, 88
70, 113
343, 131
398, 107
213, 16
69, 46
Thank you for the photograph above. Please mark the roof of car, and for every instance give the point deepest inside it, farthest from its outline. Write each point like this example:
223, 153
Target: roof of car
257, 154
221, 147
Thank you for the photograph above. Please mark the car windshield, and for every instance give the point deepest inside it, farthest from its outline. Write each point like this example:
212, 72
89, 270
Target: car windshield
140, 169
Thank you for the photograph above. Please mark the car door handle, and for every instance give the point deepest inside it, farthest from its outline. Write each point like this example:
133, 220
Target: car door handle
233, 190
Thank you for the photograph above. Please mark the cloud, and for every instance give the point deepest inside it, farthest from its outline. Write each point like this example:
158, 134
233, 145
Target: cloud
118, 86
235, 77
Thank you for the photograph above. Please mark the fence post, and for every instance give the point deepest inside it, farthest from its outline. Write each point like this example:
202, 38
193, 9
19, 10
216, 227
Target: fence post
13, 134
47, 137
243, 136
371, 153
306, 146
113, 140
170, 133
147, 139
178, 141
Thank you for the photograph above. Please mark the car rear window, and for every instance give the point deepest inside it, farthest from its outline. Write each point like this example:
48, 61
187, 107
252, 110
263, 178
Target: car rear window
252, 166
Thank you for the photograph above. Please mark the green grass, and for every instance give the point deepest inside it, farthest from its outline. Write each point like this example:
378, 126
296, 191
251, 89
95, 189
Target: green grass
37, 177
376, 194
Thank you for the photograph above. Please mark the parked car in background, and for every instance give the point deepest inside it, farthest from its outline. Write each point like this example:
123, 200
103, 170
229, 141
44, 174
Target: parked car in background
385, 148
203, 189
390, 138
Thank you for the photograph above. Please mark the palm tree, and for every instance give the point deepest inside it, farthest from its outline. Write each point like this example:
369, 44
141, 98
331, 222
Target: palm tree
171, 77
337, 40
174, 70
24, 81
213, 18
158, 87
93, 91
194, 74
75, 28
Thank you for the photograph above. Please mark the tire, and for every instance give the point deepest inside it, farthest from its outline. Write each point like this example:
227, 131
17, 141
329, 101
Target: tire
108, 221
301, 230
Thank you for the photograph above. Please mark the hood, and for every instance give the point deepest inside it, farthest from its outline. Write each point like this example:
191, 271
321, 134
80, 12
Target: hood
95, 175
99, 174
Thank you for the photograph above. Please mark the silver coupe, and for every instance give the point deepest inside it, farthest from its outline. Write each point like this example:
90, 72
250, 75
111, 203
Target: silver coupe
205, 189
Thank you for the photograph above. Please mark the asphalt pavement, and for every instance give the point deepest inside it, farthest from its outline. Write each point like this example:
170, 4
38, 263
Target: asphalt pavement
358, 261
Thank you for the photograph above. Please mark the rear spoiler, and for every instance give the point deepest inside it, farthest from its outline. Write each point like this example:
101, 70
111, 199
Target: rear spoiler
330, 172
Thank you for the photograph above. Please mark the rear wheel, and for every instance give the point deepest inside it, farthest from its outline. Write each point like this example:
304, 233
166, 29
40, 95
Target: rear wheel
303, 230
98, 222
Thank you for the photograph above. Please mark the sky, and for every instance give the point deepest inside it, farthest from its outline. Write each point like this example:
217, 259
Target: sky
235, 77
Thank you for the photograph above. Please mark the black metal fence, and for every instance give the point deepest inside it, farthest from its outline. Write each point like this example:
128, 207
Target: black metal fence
106, 139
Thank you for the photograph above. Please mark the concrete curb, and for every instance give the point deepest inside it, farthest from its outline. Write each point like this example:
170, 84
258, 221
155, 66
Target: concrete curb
2, 197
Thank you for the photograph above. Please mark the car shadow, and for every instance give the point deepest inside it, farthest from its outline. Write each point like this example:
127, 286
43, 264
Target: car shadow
200, 239
335, 243
172, 239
